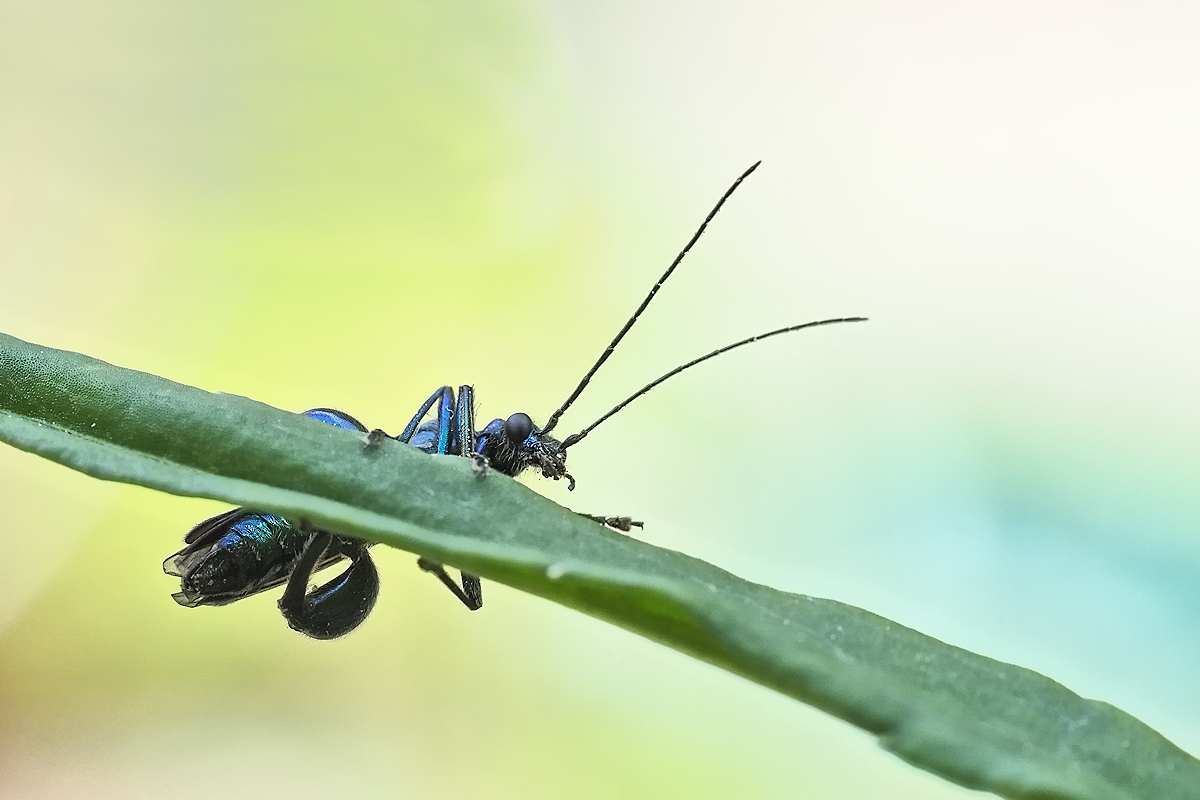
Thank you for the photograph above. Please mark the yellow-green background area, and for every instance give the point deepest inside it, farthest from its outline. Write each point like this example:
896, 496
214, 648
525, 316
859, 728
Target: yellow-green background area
351, 204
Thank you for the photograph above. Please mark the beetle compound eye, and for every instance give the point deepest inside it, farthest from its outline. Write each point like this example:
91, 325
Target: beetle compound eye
518, 427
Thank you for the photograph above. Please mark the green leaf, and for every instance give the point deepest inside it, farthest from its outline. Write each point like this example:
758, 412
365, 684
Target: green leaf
978, 722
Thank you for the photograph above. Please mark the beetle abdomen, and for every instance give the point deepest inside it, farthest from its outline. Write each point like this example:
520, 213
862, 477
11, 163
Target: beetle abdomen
256, 551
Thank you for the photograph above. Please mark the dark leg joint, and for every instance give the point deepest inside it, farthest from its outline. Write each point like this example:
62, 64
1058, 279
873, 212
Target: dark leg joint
479, 464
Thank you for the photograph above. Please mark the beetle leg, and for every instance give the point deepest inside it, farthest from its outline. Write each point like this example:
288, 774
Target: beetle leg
456, 433
619, 523
443, 397
334, 608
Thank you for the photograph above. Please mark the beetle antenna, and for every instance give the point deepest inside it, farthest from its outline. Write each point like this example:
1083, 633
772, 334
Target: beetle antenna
608, 351
576, 438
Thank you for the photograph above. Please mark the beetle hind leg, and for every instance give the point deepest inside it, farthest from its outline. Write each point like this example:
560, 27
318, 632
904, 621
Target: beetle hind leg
336, 607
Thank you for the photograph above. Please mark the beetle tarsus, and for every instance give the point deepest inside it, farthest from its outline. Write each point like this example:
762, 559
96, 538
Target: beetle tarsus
480, 465
625, 524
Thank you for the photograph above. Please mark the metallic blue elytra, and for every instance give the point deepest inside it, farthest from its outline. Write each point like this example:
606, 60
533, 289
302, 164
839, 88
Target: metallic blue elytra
242, 552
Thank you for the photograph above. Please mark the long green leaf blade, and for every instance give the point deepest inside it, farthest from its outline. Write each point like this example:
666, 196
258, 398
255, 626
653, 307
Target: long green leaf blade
976, 721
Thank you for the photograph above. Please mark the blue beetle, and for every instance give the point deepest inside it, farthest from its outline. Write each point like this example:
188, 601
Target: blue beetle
243, 552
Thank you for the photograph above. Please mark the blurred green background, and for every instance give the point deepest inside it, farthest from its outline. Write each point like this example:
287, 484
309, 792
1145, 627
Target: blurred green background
350, 205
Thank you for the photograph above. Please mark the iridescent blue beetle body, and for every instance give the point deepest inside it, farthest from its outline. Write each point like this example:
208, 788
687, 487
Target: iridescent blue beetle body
243, 552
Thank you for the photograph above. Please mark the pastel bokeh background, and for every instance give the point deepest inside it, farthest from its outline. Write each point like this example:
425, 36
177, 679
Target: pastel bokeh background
351, 204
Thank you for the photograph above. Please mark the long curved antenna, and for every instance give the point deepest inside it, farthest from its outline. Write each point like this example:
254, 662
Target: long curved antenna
576, 438
608, 351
